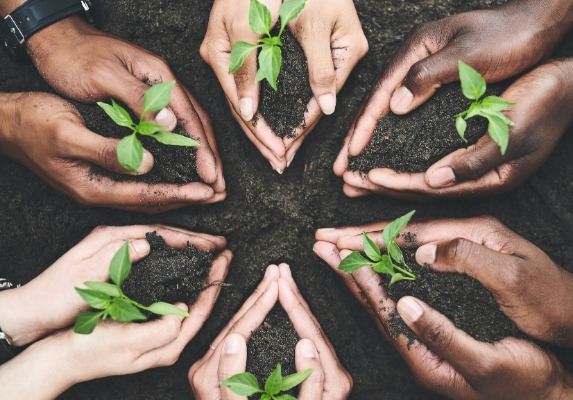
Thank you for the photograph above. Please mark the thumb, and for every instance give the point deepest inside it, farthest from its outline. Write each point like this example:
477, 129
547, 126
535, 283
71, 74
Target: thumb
102, 151
321, 71
306, 357
233, 361
465, 164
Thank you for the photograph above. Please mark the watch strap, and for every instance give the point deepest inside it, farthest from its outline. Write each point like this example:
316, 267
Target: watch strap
34, 15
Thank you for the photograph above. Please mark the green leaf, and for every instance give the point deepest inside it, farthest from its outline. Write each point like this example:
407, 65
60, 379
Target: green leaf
94, 298
122, 310
495, 103
461, 126
130, 152
175, 139
244, 384
260, 18
270, 60
290, 10
397, 277
266, 397
498, 130
370, 248
385, 266
239, 54
473, 84
285, 397
293, 380
353, 262
149, 128
117, 113
392, 230
120, 265
273, 383
86, 322
157, 97
271, 41
396, 253
104, 287
162, 308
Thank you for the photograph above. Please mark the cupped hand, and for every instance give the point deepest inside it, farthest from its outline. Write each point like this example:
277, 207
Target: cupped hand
52, 365
47, 134
541, 115
529, 287
445, 359
429, 56
24, 317
88, 65
332, 47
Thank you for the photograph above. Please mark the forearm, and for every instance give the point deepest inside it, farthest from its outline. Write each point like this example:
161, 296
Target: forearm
7, 6
554, 17
16, 317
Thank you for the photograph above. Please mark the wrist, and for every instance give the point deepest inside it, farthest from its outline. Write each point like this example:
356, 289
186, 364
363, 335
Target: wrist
44, 41
7, 6
16, 317
554, 17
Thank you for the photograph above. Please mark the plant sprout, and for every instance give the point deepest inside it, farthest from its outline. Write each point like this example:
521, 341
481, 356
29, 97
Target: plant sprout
246, 384
490, 107
130, 149
390, 263
109, 300
270, 57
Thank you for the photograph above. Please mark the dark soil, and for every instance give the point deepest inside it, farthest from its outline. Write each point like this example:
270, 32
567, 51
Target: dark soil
413, 142
284, 109
165, 169
274, 342
269, 218
474, 310
168, 274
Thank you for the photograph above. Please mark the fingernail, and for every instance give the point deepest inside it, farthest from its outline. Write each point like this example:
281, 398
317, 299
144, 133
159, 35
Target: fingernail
165, 117
146, 162
426, 254
401, 100
409, 309
141, 247
279, 171
232, 345
327, 103
290, 160
442, 177
307, 350
321, 230
246, 108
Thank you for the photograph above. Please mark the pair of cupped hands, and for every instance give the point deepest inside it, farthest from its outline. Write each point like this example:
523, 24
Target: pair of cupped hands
57, 358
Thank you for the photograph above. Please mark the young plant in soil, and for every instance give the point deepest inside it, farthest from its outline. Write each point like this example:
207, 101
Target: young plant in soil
130, 149
246, 384
270, 57
490, 107
110, 301
386, 263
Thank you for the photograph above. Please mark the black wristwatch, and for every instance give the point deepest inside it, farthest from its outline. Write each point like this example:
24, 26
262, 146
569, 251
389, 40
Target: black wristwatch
7, 351
33, 16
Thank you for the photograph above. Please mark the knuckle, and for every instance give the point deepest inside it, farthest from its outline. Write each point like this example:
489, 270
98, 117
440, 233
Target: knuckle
323, 74
437, 338
204, 51
476, 166
457, 250
107, 155
363, 46
418, 75
243, 77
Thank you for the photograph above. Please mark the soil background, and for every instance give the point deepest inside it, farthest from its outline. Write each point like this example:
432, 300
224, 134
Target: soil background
267, 218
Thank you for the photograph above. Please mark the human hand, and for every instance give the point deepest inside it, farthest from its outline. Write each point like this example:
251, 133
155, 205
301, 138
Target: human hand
47, 134
25, 318
332, 49
52, 365
445, 359
227, 354
88, 65
528, 286
541, 115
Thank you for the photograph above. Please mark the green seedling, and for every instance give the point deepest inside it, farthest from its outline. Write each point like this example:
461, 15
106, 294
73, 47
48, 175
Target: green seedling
270, 57
490, 107
130, 149
390, 263
246, 384
109, 300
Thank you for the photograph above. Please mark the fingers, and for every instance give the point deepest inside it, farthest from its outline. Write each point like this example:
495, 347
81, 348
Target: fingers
306, 357
181, 238
233, 361
453, 345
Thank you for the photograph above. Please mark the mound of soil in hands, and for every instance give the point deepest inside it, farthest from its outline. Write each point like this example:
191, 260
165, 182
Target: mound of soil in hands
415, 141
274, 342
465, 301
168, 274
173, 164
284, 109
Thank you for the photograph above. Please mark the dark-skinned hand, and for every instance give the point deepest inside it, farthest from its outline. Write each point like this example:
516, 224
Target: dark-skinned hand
445, 359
